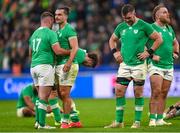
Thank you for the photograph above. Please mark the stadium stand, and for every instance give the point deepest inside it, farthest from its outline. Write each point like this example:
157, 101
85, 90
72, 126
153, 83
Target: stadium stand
94, 21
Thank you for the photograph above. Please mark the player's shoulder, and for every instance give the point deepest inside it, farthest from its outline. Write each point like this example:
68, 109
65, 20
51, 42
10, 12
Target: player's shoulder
49, 30
142, 22
121, 25
70, 27
29, 86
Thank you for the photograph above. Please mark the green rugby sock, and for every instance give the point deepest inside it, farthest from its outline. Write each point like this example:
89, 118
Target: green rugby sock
55, 109
159, 116
42, 108
120, 102
139, 102
74, 116
152, 116
65, 118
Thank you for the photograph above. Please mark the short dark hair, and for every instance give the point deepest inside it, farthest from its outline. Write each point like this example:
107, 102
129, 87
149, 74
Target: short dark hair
66, 9
46, 14
126, 9
94, 58
156, 8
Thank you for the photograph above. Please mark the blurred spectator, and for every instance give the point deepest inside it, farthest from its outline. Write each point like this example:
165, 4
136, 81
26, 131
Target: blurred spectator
94, 21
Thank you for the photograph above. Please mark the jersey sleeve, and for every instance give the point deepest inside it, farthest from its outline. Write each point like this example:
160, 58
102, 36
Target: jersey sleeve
53, 38
148, 29
27, 91
117, 31
71, 33
173, 33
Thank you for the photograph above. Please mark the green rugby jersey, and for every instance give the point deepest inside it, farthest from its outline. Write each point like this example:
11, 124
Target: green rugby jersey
80, 55
64, 34
133, 40
41, 43
26, 91
165, 50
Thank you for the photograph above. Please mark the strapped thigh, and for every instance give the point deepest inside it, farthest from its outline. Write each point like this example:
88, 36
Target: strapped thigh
139, 83
123, 81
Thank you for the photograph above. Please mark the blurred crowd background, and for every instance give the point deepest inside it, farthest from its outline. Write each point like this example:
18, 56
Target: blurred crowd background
94, 21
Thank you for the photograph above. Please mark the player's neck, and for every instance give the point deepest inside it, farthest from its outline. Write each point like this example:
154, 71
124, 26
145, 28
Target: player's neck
134, 22
45, 25
62, 24
160, 23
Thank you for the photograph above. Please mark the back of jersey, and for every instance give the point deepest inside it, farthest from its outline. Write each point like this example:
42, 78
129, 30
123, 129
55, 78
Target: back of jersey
41, 44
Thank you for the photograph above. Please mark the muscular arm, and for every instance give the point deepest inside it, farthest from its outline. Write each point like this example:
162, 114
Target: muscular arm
113, 44
157, 40
28, 102
60, 51
113, 41
74, 45
176, 49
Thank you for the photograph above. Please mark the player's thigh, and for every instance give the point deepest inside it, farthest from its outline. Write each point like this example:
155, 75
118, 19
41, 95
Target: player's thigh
124, 71
46, 75
67, 78
139, 72
33, 72
168, 74
153, 70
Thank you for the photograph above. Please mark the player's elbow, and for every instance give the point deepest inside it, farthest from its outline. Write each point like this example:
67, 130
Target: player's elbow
159, 39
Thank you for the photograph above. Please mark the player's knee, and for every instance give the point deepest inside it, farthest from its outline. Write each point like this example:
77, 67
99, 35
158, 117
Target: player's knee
155, 94
164, 94
119, 92
123, 81
138, 94
64, 95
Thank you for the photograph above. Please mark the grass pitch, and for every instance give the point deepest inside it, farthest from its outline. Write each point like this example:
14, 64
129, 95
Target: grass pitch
94, 114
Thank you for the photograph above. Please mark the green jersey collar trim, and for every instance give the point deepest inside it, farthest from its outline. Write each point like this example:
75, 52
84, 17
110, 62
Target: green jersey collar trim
64, 26
162, 27
42, 28
137, 20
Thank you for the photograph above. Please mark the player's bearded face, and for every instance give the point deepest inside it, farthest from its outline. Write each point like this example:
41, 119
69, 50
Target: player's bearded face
59, 16
164, 16
129, 18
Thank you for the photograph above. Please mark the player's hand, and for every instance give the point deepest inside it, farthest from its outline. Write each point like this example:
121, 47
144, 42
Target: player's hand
143, 55
175, 56
156, 58
118, 57
67, 67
